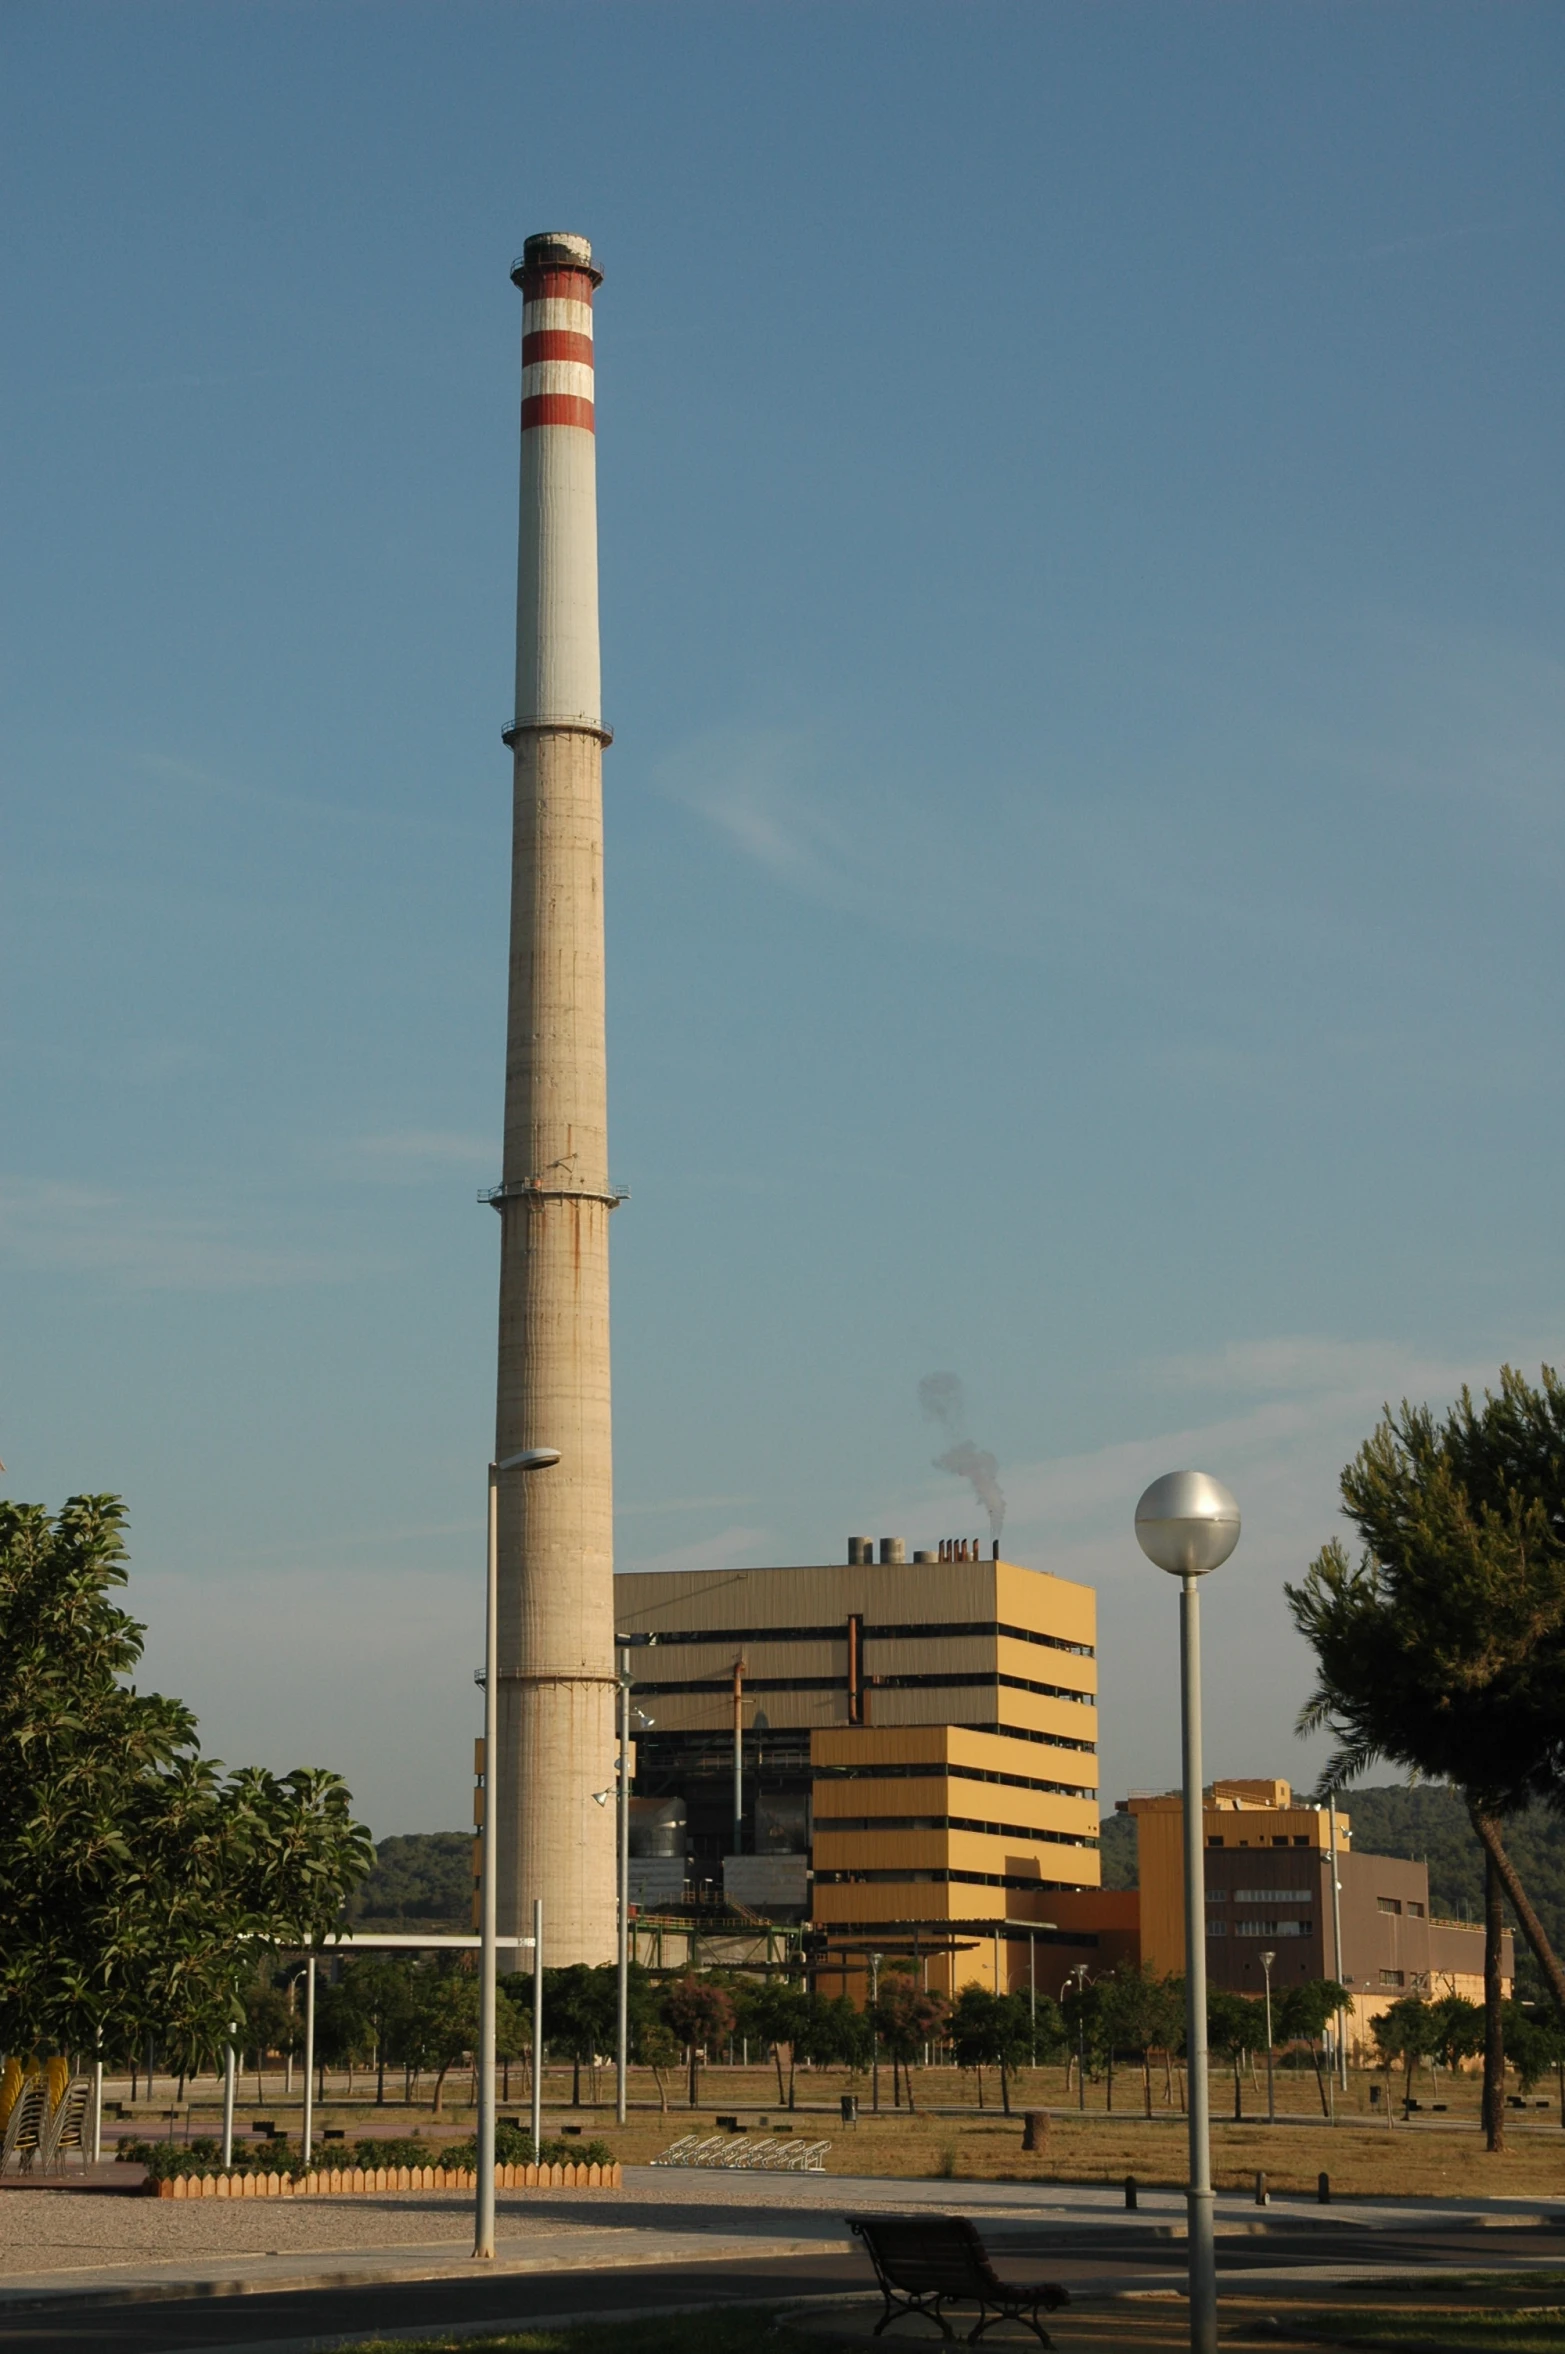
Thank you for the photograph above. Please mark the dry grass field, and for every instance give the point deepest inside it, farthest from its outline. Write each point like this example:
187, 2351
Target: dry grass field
1365, 2152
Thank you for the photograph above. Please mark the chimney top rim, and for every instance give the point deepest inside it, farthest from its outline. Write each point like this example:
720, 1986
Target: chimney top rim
559, 249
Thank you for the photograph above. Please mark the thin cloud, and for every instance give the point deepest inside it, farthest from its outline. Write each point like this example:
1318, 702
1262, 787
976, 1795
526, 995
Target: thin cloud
56, 1228
726, 1550
410, 1156
752, 786
686, 1504
1307, 1363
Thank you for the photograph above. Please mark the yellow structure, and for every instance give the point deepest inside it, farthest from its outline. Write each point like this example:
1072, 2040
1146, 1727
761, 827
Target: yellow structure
1160, 1831
1269, 1889
917, 1745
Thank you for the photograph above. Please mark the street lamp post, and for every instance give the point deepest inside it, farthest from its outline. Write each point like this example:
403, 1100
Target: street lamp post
228, 2096
874, 2032
530, 1459
1267, 1960
622, 2004
1339, 2069
307, 2134
1187, 1524
1080, 1975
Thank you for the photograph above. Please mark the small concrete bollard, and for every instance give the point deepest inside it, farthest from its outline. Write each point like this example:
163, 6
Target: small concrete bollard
1323, 2189
1130, 2193
1035, 2129
1263, 2197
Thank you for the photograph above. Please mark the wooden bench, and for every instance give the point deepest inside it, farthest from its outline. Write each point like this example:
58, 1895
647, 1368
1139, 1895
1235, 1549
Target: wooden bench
926, 2262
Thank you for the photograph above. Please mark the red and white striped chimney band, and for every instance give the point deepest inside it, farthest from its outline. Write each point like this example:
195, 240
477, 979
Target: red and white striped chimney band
557, 381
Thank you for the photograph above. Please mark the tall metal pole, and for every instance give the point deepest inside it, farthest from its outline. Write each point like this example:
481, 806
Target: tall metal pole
1267, 1960
97, 2105
1202, 2243
739, 1667
1341, 2070
537, 2028
228, 2095
307, 2138
1032, 1991
874, 2031
483, 2216
622, 2044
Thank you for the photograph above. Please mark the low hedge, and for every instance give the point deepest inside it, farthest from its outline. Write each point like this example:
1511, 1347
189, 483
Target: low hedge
164, 2160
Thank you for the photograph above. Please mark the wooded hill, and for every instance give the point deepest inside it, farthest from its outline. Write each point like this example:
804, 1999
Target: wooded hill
423, 1880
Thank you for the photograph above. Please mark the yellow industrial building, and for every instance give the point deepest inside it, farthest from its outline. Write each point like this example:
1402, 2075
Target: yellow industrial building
916, 1754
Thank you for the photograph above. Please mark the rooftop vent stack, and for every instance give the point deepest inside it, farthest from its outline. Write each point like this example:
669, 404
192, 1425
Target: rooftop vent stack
893, 1550
861, 1550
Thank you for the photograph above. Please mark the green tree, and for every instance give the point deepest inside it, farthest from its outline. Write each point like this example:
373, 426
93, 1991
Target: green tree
657, 2049
1533, 2043
776, 2013
699, 2013
440, 2026
1405, 2032
905, 2018
1455, 2030
1235, 2024
1301, 2014
1140, 2012
978, 2030
381, 1991
136, 1879
1441, 1647
581, 2010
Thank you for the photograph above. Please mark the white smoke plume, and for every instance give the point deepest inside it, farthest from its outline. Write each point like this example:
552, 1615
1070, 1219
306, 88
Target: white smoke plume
945, 1402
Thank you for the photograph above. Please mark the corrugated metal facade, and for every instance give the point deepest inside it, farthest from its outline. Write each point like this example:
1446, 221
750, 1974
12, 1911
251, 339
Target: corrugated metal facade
942, 1718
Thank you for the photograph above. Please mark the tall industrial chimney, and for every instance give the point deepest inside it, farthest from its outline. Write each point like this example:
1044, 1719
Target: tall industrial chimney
556, 1697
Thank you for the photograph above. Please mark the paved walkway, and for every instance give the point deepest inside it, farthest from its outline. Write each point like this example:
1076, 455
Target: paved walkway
54, 2246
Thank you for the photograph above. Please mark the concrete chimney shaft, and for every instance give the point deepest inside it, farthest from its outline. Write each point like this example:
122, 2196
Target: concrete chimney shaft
557, 1689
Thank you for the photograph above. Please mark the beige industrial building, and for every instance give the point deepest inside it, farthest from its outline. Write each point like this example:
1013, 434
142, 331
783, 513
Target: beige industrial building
916, 1753
1268, 1889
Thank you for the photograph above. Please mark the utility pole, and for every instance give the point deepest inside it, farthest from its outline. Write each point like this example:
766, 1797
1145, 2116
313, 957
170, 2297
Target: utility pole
1336, 1942
739, 1676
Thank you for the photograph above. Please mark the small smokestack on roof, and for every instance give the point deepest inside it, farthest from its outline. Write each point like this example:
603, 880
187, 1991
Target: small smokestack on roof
893, 1550
861, 1551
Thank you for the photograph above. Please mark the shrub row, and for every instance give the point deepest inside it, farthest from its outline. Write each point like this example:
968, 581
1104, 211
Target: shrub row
167, 2161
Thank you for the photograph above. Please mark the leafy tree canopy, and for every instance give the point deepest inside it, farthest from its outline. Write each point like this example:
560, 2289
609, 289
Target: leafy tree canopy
1442, 1646
135, 1875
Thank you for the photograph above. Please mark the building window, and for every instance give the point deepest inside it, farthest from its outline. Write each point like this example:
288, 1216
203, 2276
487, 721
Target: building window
1215, 1926
1415, 1911
1389, 1904
1272, 1895
1214, 1843
1393, 1978
1301, 1839
1273, 1928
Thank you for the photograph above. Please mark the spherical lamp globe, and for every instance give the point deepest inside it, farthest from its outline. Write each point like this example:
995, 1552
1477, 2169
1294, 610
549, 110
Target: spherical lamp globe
1187, 1523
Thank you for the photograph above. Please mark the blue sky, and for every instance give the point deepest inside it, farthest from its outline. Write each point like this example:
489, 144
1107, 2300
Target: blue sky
1081, 535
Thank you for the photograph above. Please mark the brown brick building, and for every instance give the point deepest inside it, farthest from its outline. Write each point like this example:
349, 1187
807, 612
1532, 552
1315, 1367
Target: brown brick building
1268, 1889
